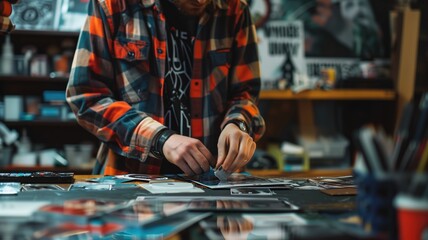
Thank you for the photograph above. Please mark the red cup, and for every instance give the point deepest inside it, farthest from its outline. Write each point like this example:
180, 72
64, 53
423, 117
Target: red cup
412, 215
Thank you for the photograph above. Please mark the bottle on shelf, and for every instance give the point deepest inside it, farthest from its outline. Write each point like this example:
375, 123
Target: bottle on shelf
25, 143
7, 58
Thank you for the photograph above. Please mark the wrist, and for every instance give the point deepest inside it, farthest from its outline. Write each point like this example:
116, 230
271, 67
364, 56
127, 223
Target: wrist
241, 124
159, 141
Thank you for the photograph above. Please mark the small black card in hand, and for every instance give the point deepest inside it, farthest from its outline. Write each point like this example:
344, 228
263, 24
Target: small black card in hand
38, 177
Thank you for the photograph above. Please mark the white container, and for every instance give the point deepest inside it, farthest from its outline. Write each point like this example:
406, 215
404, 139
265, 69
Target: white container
78, 155
7, 58
13, 107
325, 146
47, 157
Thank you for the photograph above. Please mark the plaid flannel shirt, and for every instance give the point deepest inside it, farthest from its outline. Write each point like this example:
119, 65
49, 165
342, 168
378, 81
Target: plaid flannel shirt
117, 78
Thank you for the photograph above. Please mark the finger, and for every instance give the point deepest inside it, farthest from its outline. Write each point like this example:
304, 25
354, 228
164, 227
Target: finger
185, 167
231, 154
240, 158
204, 158
249, 154
220, 204
247, 225
228, 204
207, 154
192, 162
222, 149
232, 225
221, 221
244, 155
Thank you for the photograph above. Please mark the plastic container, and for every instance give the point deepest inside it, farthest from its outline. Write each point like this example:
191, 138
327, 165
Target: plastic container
78, 154
7, 58
412, 215
325, 147
375, 202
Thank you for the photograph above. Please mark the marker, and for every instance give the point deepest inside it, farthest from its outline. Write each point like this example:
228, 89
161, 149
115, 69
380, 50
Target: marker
410, 153
402, 135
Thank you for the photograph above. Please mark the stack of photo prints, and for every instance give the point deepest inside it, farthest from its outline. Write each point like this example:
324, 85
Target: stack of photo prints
112, 207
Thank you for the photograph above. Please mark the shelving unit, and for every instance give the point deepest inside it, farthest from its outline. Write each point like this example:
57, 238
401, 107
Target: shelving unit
81, 170
44, 133
297, 109
337, 94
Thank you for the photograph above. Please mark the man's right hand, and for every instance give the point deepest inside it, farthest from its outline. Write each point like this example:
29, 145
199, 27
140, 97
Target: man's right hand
189, 154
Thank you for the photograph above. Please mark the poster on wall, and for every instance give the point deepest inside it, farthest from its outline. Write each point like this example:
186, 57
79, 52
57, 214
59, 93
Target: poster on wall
50, 15
36, 15
343, 34
73, 14
281, 51
341, 28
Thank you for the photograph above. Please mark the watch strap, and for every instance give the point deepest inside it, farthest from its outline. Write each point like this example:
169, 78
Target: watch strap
158, 142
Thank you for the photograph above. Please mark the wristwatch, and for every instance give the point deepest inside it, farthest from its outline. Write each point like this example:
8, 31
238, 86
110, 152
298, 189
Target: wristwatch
240, 123
159, 141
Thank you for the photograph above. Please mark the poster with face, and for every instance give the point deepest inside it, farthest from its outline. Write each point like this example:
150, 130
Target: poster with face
338, 34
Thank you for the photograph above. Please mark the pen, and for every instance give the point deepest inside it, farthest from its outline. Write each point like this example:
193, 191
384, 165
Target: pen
363, 154
380, 151
409, 155
402, 135
367, 135
423, 162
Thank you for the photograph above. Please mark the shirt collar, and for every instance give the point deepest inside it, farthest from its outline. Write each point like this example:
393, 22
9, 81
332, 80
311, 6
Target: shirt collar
221, 4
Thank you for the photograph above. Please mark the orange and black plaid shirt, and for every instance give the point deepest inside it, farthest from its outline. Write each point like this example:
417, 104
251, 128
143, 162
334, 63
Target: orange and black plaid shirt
117, 79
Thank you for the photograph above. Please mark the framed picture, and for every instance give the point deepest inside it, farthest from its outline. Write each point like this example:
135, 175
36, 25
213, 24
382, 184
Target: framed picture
73, 15
36, 15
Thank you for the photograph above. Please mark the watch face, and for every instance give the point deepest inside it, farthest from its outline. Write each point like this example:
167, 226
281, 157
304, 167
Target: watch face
242, 126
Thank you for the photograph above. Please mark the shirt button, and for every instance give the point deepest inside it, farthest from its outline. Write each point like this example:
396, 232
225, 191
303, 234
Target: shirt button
144, 95
131, 54
160, 51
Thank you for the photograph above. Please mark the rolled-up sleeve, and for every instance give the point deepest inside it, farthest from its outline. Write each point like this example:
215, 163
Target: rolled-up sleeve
92, 91
245, 77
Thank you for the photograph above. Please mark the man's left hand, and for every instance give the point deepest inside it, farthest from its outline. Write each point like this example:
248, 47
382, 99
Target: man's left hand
235, 148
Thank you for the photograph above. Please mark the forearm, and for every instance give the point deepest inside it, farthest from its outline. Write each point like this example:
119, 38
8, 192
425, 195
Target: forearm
244, 79
94, 96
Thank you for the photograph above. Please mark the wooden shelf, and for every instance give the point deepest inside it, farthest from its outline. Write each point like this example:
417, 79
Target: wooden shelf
46, 33
334, 172
342, 94
40, 123
14, 168
33, 79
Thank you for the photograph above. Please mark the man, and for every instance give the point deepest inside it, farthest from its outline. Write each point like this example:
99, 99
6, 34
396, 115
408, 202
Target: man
168, 86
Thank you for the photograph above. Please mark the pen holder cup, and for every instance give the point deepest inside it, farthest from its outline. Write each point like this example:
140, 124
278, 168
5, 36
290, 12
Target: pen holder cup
375, 203
412, 214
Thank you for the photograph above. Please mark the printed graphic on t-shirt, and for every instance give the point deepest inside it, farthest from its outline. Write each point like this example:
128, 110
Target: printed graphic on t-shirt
177, 80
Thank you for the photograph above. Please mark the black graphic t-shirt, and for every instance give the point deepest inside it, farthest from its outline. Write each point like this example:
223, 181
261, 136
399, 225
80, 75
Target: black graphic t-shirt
181, 34
181, 30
